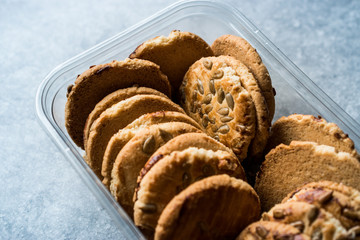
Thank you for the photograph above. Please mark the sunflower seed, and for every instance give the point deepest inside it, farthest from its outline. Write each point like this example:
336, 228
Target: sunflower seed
149, 145
351, 214
326, 197
221, 95
216, 137
278, 213
226, 119
207, 98
200, 86
207, 63
218, 74
147, 207
224, 129
261, 231
230, 101
299, 225
166, 136
223, 111
212, 86
208, 108
214, 128
313, 214
204, 122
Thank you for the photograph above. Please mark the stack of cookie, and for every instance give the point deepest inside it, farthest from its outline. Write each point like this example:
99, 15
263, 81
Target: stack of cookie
305, 149
162, 165
318, 210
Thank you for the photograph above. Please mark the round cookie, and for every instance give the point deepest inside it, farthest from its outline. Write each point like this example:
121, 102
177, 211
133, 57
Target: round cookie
133, 156
228, 102
99, 81
118, 140
288, 167
119, 116
309, 219
341, 201
184, 141
271, 231
241, 49
301, 127
112, 99
164, 177
217, 207
174, 54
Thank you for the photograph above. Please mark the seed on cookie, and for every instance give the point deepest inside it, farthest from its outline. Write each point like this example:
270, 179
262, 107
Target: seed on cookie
313, 213
207, 63
205, 122
299, 225
207, 98
226, 119
221, 95
218, 74
208, 108
147, 207
212, 86
165, 135
223, 129
351, 214
200, 86
279, 213
149, 145
261, 231
326, 197
223, 111
230, 100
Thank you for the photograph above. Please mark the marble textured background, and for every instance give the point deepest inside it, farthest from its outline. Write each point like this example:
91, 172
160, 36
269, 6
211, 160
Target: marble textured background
41, 196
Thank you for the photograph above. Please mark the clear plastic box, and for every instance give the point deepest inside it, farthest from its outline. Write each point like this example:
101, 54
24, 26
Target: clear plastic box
296, 93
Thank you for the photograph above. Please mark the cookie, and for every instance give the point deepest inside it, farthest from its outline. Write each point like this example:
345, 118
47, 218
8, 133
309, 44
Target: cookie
301, 127
271, 231
288, 167
112, 99
99, 81
119, 116
341, 201
133, 156
241, 49
217, 207
118, 140
222, 95
165, 176
184, 141
174, 54
309, 219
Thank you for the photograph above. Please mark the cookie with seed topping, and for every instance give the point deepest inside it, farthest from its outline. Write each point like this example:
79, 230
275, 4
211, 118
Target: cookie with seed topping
241, 49
99, 81
184, 141
271, 231
174, 54
119, 116
123, 136
112, 99
133, 156
301, 127
309, 219
288, 167
342, 201
222, 95
217, 207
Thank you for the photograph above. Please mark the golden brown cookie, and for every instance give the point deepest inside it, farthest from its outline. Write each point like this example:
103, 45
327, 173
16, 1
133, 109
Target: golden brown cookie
241, 49
174, 54
271, 231
341, 201
184, 141
164, 177
99, 81
119, 116
288, 167
118, 140
309, 219
222, 95
112, 99
133, 156
217, 207
301, 127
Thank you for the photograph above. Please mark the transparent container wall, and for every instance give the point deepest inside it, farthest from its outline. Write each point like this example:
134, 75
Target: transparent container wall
296, 93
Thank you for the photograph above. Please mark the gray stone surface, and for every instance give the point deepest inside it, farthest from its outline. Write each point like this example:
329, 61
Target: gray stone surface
41, 196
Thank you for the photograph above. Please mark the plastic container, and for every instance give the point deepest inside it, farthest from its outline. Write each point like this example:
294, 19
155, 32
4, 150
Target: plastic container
296, 93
